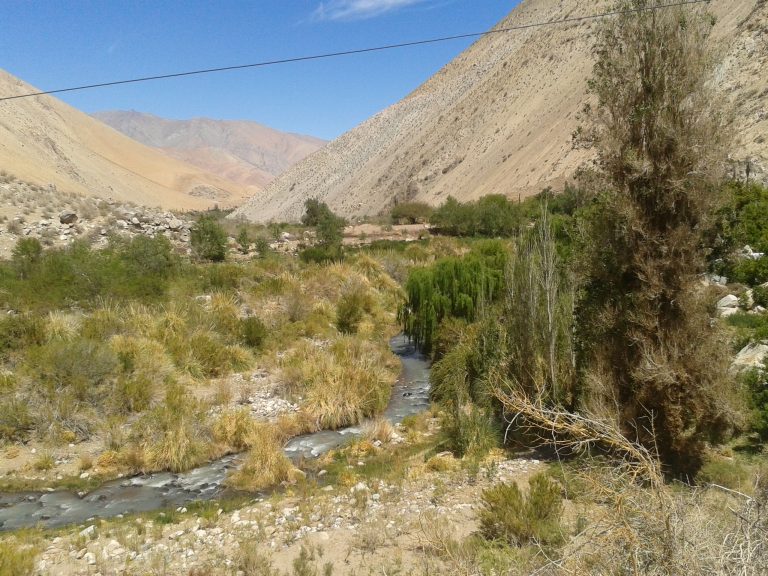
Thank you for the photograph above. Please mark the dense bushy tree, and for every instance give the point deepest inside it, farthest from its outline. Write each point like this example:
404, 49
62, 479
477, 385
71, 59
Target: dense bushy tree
208, 239
648, 349
329, 229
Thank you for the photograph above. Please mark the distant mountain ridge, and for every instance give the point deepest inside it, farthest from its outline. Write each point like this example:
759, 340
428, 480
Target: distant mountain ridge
499, 118
241, 151
45, 141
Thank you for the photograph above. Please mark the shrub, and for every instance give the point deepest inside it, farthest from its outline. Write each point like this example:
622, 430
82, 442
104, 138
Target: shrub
26, 255
322, 254
760, 296
235, 429
517, 519
265, 465
350, 309
208, 239
16, 560
15, 419
411, 213
756, 384
253, 332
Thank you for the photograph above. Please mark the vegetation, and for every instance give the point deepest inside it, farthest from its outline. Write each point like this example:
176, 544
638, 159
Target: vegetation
329, 230
411, 213
517, 519
208, 239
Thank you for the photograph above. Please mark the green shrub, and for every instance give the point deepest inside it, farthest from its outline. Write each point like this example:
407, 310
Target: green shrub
79, 366
350, 310
756, 385
208, 239
26, 255
729, 473
20, 331
751, 272
470, 430
760, 296
15, 419
253, 332
517, 519
322, 254
411, 213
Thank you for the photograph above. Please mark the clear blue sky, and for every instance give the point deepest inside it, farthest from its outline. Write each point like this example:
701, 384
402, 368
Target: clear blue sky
60, 43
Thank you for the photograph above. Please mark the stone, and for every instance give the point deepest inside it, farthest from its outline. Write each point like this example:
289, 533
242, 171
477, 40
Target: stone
753, 355
175, 224
67, 217
90, 558
87, 532
729, 301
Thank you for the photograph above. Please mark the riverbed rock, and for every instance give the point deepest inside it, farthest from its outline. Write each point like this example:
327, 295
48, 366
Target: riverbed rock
752, 356
67, 217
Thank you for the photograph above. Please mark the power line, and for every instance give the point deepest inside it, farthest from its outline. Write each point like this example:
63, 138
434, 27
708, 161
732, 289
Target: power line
359, 50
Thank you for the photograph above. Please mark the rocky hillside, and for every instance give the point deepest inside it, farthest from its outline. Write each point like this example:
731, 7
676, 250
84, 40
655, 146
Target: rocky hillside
46, 142
243, 152
499, 118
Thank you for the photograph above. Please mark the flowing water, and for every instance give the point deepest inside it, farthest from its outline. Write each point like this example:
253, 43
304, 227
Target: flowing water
410, 395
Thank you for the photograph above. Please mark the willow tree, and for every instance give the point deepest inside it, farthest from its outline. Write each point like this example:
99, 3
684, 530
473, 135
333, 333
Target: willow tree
648, 349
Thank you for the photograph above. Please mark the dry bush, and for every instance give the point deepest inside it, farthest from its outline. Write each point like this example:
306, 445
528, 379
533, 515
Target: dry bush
235, 429
379, 429
265, 464
343, 384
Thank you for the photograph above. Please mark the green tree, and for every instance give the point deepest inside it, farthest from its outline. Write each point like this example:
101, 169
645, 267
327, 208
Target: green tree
644, 332
26, 255
244, 240
208, 239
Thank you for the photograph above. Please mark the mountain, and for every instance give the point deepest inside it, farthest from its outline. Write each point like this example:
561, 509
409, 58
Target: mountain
44, 141
240, 151
499, 118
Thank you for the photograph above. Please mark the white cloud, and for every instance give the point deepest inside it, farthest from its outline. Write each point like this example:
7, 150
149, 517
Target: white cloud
358, 9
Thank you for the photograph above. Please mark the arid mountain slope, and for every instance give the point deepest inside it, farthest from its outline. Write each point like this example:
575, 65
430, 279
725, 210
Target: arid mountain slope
44, 141
499, 118
240, 151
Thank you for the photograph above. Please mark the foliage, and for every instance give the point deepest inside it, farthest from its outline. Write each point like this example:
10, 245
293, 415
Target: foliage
25, 255
517, 519
208, 239
351, 308
760, 296
265, 464
244, 240
452, 287
253, 332
756, 384
16, 560
490, 216
646, 342
411, 213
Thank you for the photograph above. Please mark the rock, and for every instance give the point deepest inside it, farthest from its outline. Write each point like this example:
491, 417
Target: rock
727, 305
67, 217
87, 532
751, 356
175, 224
90, 558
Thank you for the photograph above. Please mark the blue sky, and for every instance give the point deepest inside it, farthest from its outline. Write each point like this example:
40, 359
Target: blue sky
60, 43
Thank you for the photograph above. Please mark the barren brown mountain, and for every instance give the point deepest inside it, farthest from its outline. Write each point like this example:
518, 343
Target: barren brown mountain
240, 151
44, 141
499, 118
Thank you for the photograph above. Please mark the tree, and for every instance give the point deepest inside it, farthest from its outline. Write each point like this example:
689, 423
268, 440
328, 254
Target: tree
647, 345
244, 240
208, 239
25, 255
329, 229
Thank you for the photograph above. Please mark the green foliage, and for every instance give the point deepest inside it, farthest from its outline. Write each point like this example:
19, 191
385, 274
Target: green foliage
208, 239
760, 296
741, 220
756, 385
452, 287
490, 216
253, 332
730, 473
322, 254
25, 255
244, 240
262, 246
517, 519
140, 268
749, 271
15, 419
411, 213
351, 308
20, 331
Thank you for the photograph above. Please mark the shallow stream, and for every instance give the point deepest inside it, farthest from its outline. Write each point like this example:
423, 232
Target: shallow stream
410, 395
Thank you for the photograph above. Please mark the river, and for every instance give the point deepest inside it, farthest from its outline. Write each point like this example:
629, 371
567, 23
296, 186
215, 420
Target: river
410, 395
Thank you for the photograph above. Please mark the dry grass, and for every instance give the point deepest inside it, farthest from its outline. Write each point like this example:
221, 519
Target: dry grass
378, 429
265, 465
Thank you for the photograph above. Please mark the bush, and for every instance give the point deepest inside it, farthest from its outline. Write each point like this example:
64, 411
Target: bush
265, 465
16, 560
756, 384
760, 296
208, 239
350, 310
516, 519
322, 254
26, 255
411, 213
253, 332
